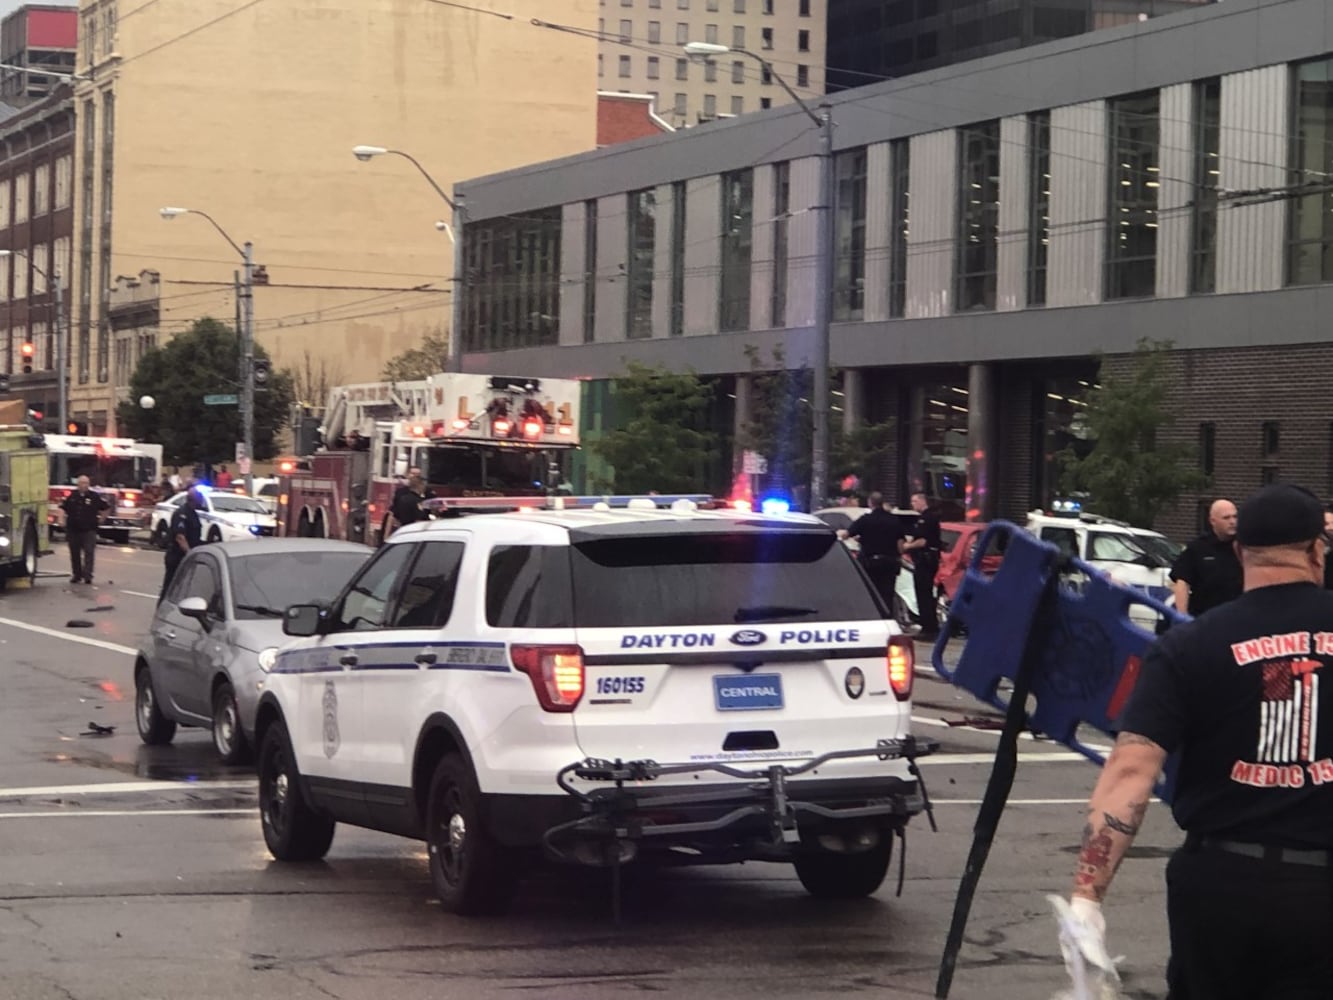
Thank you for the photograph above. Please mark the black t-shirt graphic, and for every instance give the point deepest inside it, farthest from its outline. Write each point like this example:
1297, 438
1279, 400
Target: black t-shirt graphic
1239, 692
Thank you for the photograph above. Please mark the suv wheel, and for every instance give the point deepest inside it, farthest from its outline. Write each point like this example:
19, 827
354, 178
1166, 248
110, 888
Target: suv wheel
228, 736
470, 871
155, 728
292, 830
845, 876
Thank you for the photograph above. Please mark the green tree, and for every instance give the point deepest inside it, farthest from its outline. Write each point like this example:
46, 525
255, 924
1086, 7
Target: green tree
661, 441
430, 358
1129, 474
202, 361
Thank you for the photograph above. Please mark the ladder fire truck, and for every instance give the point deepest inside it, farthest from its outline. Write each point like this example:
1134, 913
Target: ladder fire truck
481, 442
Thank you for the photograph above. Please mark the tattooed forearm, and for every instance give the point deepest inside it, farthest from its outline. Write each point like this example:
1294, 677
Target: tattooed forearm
1116, 812
1095, 867
1134, 740
1131, 826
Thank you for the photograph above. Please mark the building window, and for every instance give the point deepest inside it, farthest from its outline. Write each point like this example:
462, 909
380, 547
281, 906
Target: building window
682, 4
1131, 231
738, 72
768, 6
678, 257
513, 281
803, 40
738, 37
654, 70
22, 185
1207, 447
710, 71
624, 67
712, 6
781, 216
682, 34
1310, 246
803, 76
639, 280
41, 190
710, 105
804, 8
104, 239
654, 31
626, 30
765, 103
1207, 150
590, 270
978, 215
41, 261
900, 163
601, 65
849, 234
1039, 204
710, 34
765, 75
655, 4
682, 73
1270, 439
737, 233
766, 38
739, 6
6, 191
64, 182
22, 265
681, 105
737, 104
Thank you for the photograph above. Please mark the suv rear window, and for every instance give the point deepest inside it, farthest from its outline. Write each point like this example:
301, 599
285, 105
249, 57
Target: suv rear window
717, 579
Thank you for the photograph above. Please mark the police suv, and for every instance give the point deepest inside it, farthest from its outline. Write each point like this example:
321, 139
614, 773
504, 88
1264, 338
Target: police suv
603, 686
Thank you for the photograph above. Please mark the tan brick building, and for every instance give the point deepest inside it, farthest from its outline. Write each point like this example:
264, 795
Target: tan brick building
248, 110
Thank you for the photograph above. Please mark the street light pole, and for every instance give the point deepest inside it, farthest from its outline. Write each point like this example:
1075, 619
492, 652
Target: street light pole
62, 386
824, 270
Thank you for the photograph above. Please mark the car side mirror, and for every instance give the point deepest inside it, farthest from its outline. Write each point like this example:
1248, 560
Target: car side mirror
303, 620
196, 608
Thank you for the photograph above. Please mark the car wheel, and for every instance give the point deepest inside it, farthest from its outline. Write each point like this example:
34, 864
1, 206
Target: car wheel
292, 830
214, 535
470, 871
228, 735
27, 567
845, 876
155, 729
160, 537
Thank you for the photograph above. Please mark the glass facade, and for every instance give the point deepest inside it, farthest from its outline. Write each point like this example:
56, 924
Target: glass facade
737, 239
1039, 204
1207, 151
1310, 228
781, 225
677, 259
87, 189
1135, 179
512, 271
639, 280
977, 255
590, 270
849, 235
900, 224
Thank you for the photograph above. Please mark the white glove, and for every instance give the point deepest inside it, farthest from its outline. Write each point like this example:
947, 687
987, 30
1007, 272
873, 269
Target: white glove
1083, 945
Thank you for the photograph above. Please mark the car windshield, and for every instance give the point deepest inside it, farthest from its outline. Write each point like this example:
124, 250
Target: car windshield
265, 584
717, 579
231, 503
1157, 545
1106, 546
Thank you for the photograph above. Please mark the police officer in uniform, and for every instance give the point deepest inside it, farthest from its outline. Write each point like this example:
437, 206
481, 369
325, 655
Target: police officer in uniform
186, 533
924, 549
406, 506
1238, 694
1207, 573
83, 511
881, 538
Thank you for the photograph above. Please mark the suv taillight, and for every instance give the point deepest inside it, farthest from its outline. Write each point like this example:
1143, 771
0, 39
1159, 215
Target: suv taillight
556, 673
902, 663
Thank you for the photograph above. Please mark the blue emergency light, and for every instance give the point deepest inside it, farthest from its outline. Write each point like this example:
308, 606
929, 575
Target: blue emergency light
775, 505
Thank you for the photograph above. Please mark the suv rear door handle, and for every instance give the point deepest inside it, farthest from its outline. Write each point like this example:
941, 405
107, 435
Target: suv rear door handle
427, 659
348, 659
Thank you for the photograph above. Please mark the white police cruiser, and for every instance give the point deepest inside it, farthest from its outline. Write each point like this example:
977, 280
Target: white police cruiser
674, 686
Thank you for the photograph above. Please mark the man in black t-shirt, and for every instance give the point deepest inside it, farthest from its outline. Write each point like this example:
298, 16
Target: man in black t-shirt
881, 539
1237, 694
924, 548
1207, 573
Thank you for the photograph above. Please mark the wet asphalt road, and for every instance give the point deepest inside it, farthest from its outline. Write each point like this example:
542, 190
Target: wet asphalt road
130, 872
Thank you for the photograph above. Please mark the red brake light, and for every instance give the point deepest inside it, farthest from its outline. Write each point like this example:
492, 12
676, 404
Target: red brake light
902, 663
556, 673
500, 427
532, 429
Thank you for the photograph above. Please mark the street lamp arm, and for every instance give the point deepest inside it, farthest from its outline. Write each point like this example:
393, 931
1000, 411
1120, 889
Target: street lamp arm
234, 245
426, 174
768, 66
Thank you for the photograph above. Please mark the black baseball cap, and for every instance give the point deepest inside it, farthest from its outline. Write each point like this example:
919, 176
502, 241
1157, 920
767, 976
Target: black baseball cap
1280, 514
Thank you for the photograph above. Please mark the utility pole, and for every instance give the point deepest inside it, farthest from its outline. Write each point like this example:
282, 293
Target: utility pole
62, 377
819, 451
248, 365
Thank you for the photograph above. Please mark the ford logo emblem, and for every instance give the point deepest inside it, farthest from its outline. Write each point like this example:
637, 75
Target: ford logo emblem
749, 637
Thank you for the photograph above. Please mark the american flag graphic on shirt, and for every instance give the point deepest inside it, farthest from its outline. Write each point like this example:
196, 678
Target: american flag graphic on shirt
1289, 712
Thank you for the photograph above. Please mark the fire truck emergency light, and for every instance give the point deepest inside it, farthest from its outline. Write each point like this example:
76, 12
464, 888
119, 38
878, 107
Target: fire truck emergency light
532, 428
461, 425
500, 427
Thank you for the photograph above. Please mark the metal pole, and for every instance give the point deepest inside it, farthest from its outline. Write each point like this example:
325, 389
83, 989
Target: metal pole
819, 451
62, 384
459, 289
248, 363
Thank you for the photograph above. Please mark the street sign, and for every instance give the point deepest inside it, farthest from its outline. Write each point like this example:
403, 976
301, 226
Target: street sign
221, 399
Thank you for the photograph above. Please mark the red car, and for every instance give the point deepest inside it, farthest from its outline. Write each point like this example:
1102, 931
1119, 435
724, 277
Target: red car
960, 540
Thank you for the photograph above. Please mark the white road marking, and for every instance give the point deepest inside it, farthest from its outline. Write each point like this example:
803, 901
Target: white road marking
122, 788
923, 720
1021, 802
986, 758
139, 593
57, 634
115, 813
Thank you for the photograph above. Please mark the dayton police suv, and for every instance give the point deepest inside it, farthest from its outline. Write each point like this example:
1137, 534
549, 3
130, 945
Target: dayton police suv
606, 686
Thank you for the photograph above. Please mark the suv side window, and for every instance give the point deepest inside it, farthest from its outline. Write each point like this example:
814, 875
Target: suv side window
528, 586
204, 583
427, 598
366, 603
1062, 538
180, 582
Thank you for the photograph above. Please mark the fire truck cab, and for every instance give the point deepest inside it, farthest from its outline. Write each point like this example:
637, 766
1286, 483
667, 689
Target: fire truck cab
483, 441
119, 468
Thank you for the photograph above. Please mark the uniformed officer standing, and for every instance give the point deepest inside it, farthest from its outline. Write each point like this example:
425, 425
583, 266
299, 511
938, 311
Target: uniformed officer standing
83, 512
881, 538
186, 532
924, 549
1237, 693
1208, 573
406, 506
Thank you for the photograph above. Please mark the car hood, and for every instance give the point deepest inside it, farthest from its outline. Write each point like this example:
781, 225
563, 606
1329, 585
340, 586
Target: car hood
257, 635
243, 518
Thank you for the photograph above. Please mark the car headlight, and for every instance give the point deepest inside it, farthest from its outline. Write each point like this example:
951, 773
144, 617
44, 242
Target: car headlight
268, 659
255, 529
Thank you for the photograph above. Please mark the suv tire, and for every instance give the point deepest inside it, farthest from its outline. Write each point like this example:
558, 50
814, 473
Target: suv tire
155, 729
845, 876
470, 870
292, 830
228, 736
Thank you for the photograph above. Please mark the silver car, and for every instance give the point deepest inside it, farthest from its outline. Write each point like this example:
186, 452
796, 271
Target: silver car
216, 634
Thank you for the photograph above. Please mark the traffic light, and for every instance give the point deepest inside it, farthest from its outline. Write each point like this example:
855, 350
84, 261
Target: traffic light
262, 369
29, 349
76, 427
